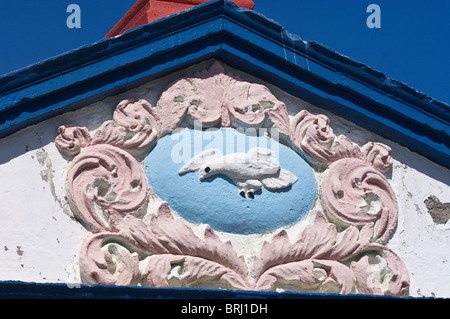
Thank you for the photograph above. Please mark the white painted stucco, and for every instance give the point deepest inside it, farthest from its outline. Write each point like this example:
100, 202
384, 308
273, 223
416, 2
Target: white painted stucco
40, 240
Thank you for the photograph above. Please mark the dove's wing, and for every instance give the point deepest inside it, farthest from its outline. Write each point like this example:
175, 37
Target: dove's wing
278, 181
196, 162
264, 160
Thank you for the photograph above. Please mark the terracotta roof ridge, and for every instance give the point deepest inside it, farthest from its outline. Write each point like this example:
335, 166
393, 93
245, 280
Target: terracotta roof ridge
146, 11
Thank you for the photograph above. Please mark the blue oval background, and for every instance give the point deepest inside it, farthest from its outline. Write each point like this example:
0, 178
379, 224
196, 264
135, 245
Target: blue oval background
216, 201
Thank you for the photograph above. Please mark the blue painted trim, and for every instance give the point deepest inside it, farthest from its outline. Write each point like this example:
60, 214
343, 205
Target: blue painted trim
245, 40
19, 289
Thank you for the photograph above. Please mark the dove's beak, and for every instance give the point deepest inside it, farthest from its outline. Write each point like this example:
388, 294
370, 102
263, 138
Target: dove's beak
203, 176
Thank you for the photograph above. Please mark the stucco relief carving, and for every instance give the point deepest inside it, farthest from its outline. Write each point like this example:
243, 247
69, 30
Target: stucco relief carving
248, 171
341, 250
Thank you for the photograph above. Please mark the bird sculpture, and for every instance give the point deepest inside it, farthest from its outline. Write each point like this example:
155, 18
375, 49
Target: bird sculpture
250, 171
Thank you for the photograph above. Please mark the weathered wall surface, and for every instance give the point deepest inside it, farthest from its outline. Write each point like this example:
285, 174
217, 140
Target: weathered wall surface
40, 239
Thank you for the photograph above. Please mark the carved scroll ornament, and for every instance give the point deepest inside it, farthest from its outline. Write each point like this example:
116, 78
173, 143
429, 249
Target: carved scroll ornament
341, 250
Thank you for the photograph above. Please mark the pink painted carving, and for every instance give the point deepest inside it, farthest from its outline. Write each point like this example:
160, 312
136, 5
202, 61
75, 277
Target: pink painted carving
314, 136
103, 179
135, 128
72, 138
322, 276
168, 243
381, 272
314, 262
357, 194
140, 121
341, 251
318, 243
214, 98
317, 261
103, 260
378, 155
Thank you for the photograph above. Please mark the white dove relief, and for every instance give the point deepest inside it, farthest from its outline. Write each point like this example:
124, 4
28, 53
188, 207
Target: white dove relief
248, 171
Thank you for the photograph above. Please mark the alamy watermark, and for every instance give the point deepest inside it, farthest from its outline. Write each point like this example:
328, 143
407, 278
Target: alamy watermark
74, 19
374, 19
189, 145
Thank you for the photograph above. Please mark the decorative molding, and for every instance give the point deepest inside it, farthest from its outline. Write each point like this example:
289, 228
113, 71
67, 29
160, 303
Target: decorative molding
342, 249
358, 194
216, 99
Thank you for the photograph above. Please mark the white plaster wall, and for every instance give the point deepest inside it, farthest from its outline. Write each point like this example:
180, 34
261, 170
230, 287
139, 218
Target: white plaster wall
422, 244
38, 237
40, 240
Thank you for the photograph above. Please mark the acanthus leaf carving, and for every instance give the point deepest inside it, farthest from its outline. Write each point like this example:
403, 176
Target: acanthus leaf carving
378, 155
319, 240
141, 123
209, 257
136, 127
103, 260
184, 241
322, 276
325, 261
158, 270
110, 133
189, 273
214, 98
313, 135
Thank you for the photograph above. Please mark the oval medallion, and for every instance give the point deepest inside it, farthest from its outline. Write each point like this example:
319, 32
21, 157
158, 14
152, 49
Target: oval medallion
235, 182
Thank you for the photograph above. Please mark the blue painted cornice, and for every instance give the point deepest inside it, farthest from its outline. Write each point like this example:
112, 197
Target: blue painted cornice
32, 290
244, 40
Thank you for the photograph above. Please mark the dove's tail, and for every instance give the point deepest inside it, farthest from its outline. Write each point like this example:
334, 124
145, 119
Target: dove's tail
280, 180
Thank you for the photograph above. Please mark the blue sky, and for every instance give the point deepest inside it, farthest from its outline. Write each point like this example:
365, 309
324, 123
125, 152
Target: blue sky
412, 45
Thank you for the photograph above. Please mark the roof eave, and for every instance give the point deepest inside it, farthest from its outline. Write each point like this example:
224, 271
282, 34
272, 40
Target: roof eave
243, 39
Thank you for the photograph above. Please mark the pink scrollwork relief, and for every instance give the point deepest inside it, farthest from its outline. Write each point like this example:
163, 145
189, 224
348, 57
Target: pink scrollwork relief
214, 98
72, 138
393, 278
103, 179
378, 155
340, 250
356, 193
135, 128
313, 134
